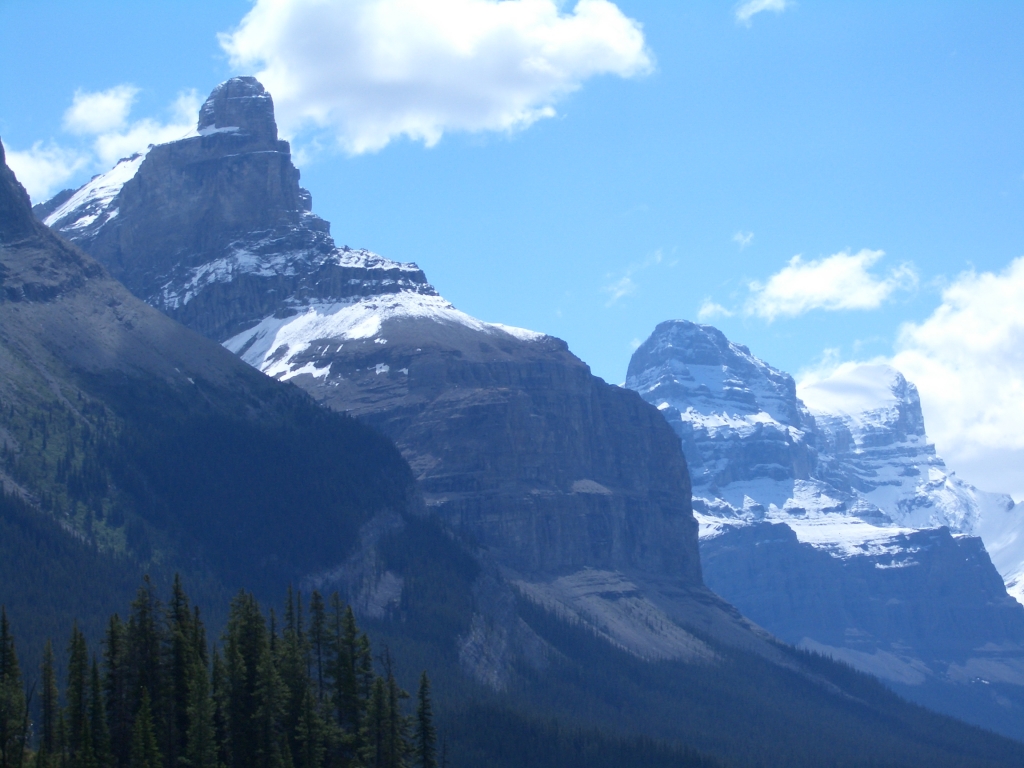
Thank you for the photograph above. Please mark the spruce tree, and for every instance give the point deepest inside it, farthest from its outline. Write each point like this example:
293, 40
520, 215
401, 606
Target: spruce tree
13, 713
318, 639
98, 728
77, 692
145, 752
115, 688
426, 736
50, 706
200, 745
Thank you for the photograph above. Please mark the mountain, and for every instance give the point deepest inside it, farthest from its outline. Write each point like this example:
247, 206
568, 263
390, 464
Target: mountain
554, 575
132, 444
843, 532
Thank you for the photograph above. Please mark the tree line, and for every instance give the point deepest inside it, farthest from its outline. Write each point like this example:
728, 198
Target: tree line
303, 694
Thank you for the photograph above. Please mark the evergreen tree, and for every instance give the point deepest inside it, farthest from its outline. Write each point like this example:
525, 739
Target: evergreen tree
397, 723
115, 688
374, 731
310, 733
220, 698
13, 712
77, 700
144, 645
99, 731
180, 657
145, 752
426, 736
50, 705
246, 646
318, 640
200, 746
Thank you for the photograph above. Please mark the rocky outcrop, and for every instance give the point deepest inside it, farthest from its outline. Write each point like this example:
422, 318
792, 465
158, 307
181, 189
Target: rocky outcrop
843, 532
215, 230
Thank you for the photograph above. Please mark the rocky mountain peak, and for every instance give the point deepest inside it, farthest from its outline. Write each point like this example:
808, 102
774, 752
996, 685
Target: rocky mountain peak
241, 103
868, 399
16, 220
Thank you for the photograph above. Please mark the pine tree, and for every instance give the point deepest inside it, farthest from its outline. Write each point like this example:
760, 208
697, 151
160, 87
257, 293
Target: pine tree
397, 723
318, 639
115, 688
200, 746
374, 731
144, 646
98, 727
310, 733
145, 752
221, 701
426, 736
180, 658
77, 700
13, 713
246, 646
50, 705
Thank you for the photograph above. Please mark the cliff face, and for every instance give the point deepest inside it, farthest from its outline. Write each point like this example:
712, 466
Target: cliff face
842, 531
540, 468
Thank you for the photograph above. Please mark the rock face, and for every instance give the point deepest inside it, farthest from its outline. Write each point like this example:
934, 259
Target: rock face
545, 471
215, 230
843, 531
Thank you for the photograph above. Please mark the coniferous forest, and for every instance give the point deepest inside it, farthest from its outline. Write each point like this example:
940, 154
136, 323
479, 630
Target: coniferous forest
299, 690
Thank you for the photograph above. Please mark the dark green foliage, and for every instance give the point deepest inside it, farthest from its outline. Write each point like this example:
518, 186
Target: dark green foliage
426, 734
13, 710
160, 702
145, 752
204, 477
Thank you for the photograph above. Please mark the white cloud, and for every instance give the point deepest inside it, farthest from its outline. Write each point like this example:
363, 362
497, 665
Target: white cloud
625, 286
103, 117
619, 289
746, 11
710, 310
100, 111
43, 169
840, 281
370, 71
967, 360
743, 239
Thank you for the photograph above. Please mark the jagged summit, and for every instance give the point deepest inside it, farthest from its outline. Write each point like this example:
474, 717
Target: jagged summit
16, 220
738, 418
215, 230
837, 527
243, 104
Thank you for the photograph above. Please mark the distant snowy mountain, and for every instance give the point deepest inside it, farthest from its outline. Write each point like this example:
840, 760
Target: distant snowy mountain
832, 522
874, 442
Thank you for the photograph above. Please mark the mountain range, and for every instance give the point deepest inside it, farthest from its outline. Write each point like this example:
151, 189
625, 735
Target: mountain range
840, 530
548, 561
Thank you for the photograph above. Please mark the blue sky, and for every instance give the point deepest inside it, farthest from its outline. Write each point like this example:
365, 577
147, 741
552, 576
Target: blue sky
815, 129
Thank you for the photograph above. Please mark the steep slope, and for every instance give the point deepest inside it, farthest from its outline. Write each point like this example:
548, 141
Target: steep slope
842, 533
154, 448
871, 422
574, 488
564, 579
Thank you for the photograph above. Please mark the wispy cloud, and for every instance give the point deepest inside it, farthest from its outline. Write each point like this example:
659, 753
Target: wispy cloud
743, 239
100, 120
745, 12
838, 282
709, 310
100, 111
43, 168
624, 285
619, 289
371, 71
